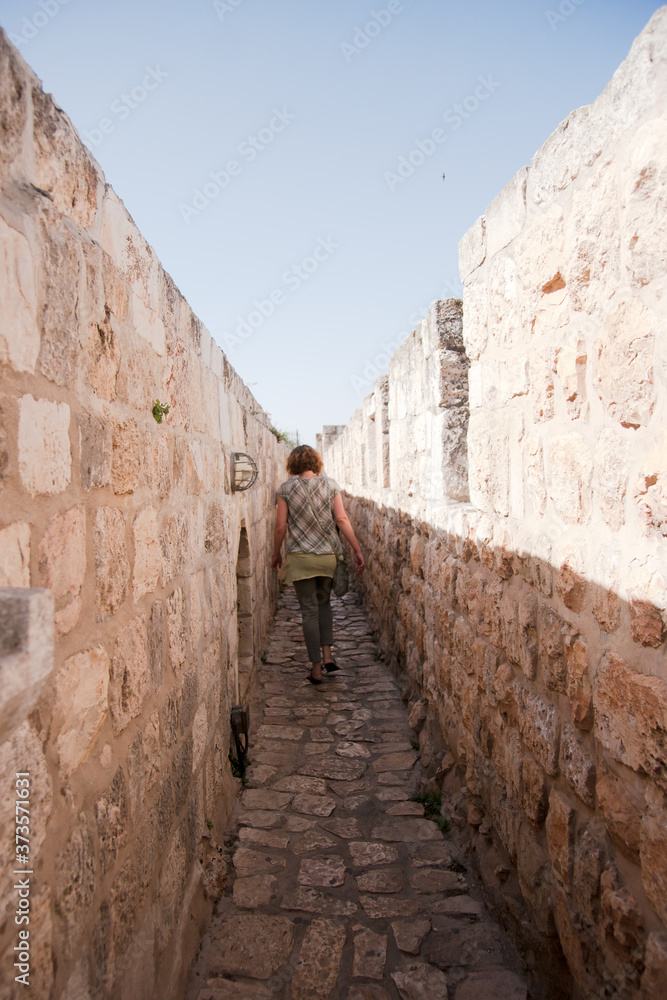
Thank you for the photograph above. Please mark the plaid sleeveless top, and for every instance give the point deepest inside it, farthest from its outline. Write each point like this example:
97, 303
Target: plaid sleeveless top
306, 534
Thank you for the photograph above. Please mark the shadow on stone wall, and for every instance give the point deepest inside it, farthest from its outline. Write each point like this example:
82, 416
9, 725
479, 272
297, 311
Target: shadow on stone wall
539, 717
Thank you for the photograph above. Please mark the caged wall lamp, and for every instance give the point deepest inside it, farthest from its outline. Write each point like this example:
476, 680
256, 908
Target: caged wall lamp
244, 471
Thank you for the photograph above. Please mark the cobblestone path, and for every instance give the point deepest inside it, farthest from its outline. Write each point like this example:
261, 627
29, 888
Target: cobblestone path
341, 888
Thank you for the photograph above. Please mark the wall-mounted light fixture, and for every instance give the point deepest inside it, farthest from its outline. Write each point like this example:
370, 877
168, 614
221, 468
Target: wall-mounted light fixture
244, 471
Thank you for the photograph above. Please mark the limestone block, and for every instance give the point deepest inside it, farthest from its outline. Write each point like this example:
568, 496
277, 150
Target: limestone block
174, 545
506, 215
15, 555
592, 240
60, 346
95, 451
488, 449
26, 653
129, 252
111, 815
539, 724
504, 324
621, 811
81, 701
539, 251
156, 462
644, 231
519, 629
13, 104
112, 567
552, 631
536, 490
631, 717
62, 564
576, 765
129, 682
472, 249
560, 828
75, 884
125, 461
647, 597
653, 853
476, 315
655, 970
535, 790
113, 929
578, 683
571, 361
319, 960
542, 369
611, 464
571, 583
650, 490
199, 736
22, 751
176, 628
570, 474
45, 458
63, 166
147, 553
254, 945
623, 362
104, 357
19, 338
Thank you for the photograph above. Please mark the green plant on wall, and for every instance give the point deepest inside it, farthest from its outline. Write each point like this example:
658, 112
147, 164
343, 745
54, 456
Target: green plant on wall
160, 410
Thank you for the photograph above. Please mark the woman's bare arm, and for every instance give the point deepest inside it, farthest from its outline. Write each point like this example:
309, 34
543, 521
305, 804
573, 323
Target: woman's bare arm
343, 522
278, 534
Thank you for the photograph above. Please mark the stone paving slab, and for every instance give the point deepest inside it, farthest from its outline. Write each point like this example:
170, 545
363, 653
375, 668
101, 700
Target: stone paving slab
340, 889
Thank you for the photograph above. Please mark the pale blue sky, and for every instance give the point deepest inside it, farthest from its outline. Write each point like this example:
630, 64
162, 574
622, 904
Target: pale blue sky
329, 111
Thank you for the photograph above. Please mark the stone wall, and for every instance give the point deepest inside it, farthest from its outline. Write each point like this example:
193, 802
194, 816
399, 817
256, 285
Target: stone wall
529, 618
120, 545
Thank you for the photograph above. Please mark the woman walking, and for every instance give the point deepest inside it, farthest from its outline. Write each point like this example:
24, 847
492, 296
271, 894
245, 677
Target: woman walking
310, 507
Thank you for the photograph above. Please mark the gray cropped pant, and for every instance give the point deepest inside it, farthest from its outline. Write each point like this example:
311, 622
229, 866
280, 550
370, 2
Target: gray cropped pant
316, 619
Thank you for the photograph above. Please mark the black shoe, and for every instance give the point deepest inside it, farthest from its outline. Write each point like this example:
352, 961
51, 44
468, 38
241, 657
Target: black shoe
314, 680
330, 667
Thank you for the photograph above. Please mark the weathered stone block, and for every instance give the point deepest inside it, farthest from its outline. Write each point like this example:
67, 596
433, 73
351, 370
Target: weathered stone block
129, 684
576, 765
535, 789
655, 970
13, 103
59, 345
611, 464
176, 628
506, 215
112, 567
539, 724
560, 828
623, 361
552, 632
254, 945
111, 814
15, 555
23, 752
631, 717
104, 356
472, 248
26, 652
95, 451
62, 564
519, 629
45, 458
174, 545
653, 854
125, 460
19, 338
81, 689
75, 884
621, 812
147, 553
157, 644
643, 226
570, 474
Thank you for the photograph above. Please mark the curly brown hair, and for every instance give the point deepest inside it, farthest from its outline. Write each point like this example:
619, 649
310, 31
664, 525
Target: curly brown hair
304, 459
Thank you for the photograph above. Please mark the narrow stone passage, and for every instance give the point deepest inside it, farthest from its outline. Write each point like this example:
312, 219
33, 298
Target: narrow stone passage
340, 887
